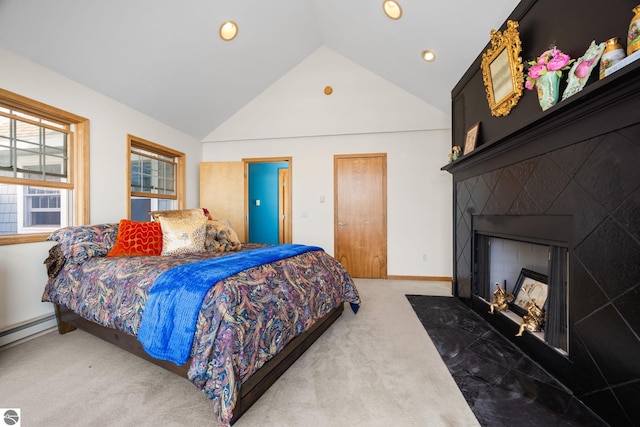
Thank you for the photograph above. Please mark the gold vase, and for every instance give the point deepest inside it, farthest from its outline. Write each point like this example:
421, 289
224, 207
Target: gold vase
633, 39
613, 52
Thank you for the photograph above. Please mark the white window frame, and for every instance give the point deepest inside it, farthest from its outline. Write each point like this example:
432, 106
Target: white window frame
65, 218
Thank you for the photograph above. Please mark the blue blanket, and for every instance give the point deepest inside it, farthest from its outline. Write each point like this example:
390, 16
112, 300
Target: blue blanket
171, 311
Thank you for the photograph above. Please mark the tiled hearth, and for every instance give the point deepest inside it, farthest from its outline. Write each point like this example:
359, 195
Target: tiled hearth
501, 384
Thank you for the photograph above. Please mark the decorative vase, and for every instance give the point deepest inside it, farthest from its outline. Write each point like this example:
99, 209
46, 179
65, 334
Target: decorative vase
613, 52
548, 88
633, 40
581, 69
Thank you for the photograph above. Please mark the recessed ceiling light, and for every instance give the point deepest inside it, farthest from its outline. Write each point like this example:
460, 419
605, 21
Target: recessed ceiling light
392, 9
228, 30
428, 56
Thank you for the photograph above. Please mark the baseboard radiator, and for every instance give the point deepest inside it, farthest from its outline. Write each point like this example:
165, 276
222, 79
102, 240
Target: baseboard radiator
27, 329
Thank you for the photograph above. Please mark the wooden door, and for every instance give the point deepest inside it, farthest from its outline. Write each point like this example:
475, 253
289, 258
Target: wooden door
360, 227
222, 192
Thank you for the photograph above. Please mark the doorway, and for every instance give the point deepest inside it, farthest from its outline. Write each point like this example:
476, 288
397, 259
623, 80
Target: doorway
360, 223
266, 183
224, 190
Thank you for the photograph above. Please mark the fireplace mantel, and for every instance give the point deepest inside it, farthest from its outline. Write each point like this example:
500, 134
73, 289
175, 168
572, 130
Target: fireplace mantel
600, 108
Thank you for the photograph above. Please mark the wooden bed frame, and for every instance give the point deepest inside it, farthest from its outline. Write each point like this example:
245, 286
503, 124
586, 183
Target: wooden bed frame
250, 391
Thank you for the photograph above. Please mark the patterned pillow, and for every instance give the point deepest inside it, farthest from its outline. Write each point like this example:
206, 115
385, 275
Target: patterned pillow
81, 242
137, 239
183, 235
178, 213
221, 237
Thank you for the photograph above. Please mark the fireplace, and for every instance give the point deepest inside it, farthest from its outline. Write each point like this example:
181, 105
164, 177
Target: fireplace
564, 178
509, 251
591, 191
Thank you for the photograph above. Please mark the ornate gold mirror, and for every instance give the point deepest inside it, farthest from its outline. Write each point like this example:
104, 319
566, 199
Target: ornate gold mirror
502, 70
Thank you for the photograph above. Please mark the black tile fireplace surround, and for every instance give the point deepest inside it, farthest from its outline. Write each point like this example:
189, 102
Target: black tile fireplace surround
579, 159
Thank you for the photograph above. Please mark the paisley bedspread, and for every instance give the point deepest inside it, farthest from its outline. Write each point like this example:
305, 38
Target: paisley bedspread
244, 321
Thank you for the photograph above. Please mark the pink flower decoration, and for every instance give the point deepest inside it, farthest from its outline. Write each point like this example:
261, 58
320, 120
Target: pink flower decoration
558, 62
536, 71
582, 69
544, 57
552, 60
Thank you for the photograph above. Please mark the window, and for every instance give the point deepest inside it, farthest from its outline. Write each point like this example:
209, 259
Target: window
156, 178
44, 156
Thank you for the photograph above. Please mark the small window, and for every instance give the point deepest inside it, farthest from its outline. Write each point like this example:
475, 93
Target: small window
38, 192
156, 178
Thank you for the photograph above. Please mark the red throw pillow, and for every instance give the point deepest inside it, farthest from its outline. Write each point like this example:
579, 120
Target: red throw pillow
137, 239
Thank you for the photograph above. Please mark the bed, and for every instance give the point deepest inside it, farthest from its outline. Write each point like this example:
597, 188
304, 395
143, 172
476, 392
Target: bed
243, 330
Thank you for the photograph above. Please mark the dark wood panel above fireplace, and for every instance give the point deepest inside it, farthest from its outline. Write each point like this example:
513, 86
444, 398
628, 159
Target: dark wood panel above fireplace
569, 25
579, 159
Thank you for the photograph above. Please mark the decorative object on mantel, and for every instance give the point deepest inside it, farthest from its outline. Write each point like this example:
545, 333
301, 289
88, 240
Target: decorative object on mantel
472, 137
633, 38
531, 286
502, 70
454, 154
501, 299
622, 63
533, 321
613, 53
545, 74
581, 69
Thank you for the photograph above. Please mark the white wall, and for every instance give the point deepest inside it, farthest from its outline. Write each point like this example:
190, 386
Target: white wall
508, 257
291, 118
22, 273
365, 114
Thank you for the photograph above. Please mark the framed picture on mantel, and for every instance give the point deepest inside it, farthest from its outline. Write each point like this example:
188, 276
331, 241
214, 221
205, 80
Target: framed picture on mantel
471, 139
530, 287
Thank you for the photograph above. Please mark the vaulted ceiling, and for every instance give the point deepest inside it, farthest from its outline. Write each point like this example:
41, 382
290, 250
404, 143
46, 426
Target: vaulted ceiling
165, 58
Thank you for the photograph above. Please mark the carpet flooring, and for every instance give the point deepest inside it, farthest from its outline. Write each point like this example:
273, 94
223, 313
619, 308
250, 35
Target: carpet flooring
501, 384
377, 368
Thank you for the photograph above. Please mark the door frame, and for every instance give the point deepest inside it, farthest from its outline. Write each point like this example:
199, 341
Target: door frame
287, 206
284, 230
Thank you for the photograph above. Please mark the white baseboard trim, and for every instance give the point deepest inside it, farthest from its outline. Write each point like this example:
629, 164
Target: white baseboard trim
27, 330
